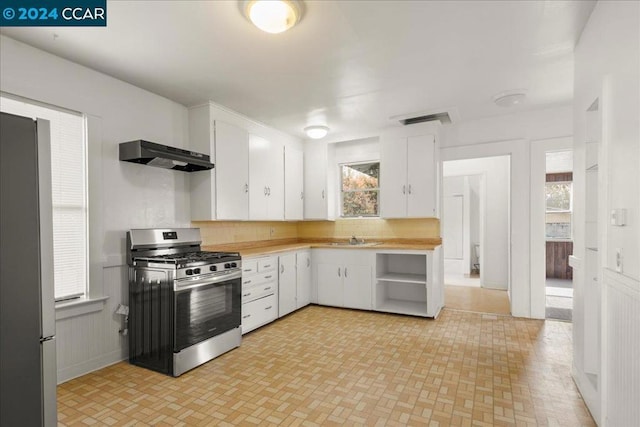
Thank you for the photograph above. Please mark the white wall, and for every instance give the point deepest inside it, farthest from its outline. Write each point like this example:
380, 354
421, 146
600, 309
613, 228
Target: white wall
454, 225
607, 67
122, 195
510, 134
495, 248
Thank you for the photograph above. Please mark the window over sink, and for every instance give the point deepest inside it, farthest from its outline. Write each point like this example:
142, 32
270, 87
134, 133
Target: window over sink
360, 189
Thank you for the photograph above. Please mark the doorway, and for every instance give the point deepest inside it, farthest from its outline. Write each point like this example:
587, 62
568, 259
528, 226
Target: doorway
558, 234
476, 205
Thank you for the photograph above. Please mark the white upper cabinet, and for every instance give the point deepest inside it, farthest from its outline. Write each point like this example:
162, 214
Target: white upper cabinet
317, 189
293, 184
232, 171
408, 177
266, 179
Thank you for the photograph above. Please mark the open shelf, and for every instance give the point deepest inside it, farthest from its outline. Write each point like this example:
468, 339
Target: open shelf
405, 307
403, 278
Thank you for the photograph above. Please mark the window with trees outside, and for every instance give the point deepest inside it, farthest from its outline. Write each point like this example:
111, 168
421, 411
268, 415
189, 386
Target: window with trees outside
559, 210
360, 189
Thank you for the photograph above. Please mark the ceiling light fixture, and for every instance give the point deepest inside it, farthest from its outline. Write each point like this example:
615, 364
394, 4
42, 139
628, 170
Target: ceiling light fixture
316, 132
273, 16
509, 98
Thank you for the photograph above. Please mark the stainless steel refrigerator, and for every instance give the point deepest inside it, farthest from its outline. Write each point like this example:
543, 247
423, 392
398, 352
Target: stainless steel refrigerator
27, 314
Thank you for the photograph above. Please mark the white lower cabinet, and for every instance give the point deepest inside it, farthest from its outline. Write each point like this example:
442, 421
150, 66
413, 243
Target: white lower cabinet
344, 277
259, 292
294, 287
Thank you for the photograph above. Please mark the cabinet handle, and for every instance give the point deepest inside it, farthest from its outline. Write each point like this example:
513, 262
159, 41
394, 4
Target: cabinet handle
301, 195
308, 262
268, 191
265, 191
345, 272
268, 288
282, 269
267, 266
339, 272
268, 308
246, 282
246, 316
323, 194
268, 277
247, 294
409, 188
246, 188
404, 189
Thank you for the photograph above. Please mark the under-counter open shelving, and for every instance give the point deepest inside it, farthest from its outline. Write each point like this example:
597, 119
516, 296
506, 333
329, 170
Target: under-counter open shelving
401, 284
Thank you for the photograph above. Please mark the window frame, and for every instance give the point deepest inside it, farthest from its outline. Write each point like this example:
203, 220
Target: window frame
342, 191
564, 211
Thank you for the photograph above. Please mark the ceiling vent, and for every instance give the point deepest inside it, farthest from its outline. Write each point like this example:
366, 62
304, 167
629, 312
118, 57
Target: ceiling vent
444, 119
444, 116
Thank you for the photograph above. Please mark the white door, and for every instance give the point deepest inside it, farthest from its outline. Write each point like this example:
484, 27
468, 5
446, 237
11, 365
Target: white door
275, 181
303, 278
393, 178
330, 285
259, 158
232, 171
293, 184
453, 227
357, 287
421, 176
287, 285
315, 181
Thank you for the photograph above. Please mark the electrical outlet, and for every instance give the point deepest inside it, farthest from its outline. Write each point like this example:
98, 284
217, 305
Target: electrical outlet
619, 260
272, 231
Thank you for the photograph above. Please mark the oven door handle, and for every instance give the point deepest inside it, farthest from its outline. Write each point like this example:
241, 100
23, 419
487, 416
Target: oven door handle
191, 284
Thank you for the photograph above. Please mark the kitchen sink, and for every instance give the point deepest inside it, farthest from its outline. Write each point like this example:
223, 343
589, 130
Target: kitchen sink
361, 244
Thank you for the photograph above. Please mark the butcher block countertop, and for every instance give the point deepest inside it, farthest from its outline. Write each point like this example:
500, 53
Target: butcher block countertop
267, 247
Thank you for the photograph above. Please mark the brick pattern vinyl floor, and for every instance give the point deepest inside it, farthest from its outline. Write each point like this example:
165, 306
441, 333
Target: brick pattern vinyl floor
329, 366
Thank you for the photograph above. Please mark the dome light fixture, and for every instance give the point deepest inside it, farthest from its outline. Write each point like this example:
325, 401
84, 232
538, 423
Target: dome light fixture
316, 131
509, 98
273, 16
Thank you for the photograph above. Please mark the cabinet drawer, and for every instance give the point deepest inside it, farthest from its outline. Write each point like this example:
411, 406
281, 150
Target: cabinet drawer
267, 264
249, 266
258, 291
257, 279
259, 312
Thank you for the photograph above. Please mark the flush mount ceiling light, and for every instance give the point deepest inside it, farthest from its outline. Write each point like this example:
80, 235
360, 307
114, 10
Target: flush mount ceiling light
316, 132
273, 16
510, 98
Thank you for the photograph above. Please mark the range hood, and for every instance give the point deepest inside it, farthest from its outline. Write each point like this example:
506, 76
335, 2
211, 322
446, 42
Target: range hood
163, 156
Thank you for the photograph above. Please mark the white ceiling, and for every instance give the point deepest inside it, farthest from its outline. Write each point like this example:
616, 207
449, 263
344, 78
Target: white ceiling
348, 64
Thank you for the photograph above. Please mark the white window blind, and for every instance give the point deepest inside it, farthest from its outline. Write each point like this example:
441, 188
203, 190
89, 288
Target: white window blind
69, 193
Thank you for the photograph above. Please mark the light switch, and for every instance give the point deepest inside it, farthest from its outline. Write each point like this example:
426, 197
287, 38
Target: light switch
619, 217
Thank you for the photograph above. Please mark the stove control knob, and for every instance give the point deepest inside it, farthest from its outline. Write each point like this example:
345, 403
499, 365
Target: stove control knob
227, 265
213, 268
234, 264
196, 271
189, 272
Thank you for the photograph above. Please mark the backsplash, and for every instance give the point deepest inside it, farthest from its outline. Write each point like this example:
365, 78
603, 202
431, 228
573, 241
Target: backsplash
221, 232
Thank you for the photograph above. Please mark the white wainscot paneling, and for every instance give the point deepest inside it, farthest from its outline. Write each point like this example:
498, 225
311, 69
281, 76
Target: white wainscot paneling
623, 349
91, 341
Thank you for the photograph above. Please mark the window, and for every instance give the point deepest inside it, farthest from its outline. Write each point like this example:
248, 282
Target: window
69, 193
559, 209
360, 189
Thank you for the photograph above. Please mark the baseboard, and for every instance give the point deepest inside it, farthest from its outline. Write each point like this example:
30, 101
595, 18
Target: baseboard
80, 369
588, 392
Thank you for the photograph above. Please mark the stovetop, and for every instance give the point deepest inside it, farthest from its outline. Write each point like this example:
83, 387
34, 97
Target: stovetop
185, 259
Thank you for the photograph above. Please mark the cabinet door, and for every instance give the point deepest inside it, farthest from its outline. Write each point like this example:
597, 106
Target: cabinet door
275, 181
259, 158
421, 179
287, 285
293, 184
232, 171
393, 178
357, 286
303, 281
315, 181
330, 285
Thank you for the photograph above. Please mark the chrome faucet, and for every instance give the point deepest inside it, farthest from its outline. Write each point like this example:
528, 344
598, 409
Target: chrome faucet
355, 241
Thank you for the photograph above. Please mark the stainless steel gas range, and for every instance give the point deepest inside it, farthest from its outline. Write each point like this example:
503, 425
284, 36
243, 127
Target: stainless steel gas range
184, 303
